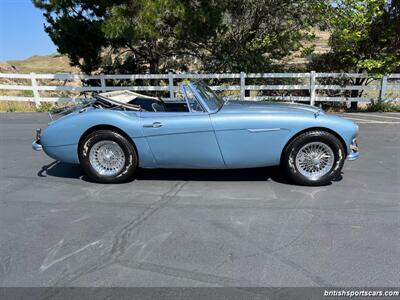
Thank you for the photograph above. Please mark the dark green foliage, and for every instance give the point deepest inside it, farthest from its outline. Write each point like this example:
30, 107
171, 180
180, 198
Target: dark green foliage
365, 36
75, 27
384, 107
127, 36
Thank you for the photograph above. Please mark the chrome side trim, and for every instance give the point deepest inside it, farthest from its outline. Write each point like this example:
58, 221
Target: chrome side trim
263, 129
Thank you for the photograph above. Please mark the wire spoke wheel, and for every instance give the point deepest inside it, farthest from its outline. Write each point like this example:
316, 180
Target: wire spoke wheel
314, 160
107, 158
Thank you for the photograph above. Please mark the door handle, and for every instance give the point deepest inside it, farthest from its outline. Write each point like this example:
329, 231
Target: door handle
154, 125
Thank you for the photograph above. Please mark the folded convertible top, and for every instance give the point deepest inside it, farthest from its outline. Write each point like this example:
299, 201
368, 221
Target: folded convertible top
108, 100
123, 98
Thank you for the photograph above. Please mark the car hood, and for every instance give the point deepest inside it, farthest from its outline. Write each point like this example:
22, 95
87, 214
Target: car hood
267, 107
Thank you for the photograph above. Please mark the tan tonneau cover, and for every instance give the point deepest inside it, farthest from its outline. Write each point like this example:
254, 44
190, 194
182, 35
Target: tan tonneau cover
124, 96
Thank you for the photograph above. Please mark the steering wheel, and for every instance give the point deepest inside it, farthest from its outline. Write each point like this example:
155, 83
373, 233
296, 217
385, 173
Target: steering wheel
162, 103
196, 107
161, 100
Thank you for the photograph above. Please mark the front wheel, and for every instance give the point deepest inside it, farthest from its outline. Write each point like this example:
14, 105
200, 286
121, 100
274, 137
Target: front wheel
108, 157
314, 158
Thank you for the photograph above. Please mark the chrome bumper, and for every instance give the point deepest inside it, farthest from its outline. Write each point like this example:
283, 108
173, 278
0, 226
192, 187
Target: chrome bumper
354, 154
36, 145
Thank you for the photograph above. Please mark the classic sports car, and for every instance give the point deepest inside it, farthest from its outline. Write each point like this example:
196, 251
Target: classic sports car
117, 132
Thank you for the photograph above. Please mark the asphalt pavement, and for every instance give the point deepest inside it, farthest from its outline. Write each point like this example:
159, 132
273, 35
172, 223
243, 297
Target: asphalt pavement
199, 228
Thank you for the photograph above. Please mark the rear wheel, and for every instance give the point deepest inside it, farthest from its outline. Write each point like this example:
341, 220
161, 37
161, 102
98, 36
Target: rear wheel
108, 157
314, 158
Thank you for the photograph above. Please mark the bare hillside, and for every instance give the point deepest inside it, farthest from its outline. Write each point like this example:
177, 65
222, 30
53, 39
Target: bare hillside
321, 44
43, 64
60, 63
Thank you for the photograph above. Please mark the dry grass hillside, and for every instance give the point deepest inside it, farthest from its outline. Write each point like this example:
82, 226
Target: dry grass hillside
57, 63
38, 64
321, 44
42, 64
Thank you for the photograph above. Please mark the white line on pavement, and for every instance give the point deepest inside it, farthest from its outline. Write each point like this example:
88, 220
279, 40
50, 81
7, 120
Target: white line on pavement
355, 119
371, 115
393, 113
370, 121
361, 122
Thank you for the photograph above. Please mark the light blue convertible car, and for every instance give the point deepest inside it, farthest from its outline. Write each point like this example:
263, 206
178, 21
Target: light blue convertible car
118, 132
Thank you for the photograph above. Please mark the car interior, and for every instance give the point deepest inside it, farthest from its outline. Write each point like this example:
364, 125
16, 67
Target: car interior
159, 105
135, 101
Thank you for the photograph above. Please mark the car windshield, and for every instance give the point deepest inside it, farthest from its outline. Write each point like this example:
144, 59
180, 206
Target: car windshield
213, 102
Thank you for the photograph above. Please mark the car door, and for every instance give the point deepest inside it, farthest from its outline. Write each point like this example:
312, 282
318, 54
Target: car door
247, 141
182, 139
247, 136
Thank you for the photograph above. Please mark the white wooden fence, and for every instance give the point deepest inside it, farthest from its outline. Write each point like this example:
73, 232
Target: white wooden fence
311, 85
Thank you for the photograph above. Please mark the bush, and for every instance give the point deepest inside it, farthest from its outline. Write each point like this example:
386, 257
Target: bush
384, 107
11, 107
44, 107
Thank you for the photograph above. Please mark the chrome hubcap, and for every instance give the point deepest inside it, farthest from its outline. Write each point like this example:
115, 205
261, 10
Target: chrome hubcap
107, 158
314, 160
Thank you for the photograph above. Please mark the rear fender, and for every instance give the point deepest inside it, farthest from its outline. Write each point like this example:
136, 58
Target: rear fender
61, 138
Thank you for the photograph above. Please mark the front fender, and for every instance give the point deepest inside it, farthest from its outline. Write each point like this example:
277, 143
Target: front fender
270, 133
346, 129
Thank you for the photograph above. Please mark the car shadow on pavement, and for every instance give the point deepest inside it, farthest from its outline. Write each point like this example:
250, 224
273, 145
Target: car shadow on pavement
63, 170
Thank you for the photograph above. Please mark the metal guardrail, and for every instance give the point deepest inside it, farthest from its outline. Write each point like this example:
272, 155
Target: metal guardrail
171, 80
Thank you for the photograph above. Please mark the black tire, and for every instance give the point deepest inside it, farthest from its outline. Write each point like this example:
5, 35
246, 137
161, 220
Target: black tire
127, 169
293, 148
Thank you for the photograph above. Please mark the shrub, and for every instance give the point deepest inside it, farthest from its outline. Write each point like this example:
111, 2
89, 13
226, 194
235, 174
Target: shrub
11, 107
384, 107
44, 107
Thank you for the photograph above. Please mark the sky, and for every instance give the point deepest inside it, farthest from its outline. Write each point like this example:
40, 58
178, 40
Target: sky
21, 31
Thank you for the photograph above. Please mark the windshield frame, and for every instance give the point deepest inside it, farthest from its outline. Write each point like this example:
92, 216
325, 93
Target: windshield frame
201, 85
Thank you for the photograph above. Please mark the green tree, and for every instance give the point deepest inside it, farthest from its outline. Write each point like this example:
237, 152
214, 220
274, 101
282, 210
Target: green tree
129, 36
364, 36
147, 34
75, 28
251, 35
